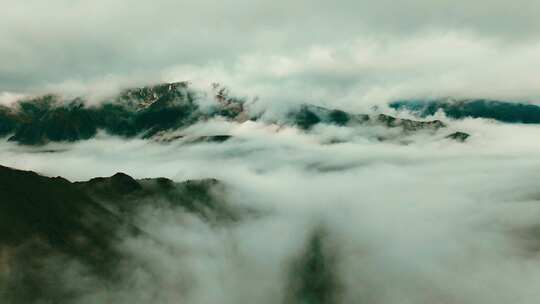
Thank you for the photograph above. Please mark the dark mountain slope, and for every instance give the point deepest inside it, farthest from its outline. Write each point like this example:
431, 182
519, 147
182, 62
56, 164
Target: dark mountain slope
308, 116
124, 196
136, 111
80, 218
313, 276
68, 123
55, 211
8, 121
50, 227
46, 226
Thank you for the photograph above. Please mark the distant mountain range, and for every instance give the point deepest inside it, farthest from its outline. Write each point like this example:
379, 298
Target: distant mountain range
148, 111
510, 112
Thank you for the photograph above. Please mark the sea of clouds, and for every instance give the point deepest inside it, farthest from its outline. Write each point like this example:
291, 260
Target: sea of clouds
415, 219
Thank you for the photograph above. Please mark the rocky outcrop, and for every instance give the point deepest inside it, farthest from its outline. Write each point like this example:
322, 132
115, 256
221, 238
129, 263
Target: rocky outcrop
459, 136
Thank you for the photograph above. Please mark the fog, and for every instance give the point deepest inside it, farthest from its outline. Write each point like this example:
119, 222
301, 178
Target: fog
414, 219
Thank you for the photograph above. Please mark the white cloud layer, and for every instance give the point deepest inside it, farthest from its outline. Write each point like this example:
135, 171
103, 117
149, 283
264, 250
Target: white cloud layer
434, 220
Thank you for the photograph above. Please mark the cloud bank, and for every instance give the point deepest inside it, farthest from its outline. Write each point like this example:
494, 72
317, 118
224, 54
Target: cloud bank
431, 220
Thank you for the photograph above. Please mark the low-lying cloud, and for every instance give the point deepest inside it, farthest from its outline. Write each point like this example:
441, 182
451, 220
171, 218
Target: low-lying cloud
428, 220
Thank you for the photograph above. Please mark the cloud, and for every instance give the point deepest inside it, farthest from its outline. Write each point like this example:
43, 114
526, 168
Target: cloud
359, 74
355, 52
8, 99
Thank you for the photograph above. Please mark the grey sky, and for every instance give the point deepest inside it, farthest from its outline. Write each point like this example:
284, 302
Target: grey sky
77, 45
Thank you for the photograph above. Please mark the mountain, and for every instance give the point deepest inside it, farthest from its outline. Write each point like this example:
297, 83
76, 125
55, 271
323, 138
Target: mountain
42, 218
313, 273
149, 111
143, 111
46, 221
124, 195
510, 112
308, 116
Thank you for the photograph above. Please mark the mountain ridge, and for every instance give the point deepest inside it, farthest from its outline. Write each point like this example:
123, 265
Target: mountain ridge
508, 112
44, 218
147, 111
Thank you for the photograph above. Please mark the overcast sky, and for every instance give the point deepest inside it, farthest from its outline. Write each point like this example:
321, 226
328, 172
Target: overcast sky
350, 53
